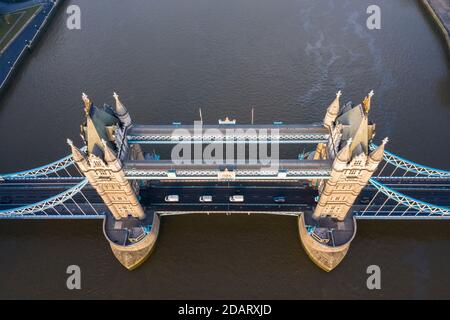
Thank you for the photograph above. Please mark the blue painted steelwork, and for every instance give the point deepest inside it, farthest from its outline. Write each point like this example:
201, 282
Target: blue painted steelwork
411, 166
41, 206
420, 208
43, 170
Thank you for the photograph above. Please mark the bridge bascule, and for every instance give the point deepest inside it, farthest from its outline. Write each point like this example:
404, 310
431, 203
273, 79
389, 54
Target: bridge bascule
345, 178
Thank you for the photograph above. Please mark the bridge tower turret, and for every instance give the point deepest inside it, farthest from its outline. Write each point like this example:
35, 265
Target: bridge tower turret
101, 165
352, 166
130, 232
133, 152
332, 111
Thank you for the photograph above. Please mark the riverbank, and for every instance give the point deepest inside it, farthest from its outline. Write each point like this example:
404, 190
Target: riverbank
24, 38
440, 12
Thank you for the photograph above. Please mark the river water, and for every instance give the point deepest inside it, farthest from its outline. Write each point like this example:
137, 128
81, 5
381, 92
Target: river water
285, 58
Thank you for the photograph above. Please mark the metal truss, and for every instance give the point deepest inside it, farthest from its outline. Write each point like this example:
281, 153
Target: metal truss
43, 170
284, 138
411, 166
45, 204
239, 174
411, 203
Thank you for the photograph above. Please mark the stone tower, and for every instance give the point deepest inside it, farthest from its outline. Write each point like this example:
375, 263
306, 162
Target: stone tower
353, 165
349, 176
327, 232
104, 133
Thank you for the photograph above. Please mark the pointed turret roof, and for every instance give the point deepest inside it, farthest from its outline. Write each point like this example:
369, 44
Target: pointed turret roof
344, 154
377, 154
120, 108
77, 154
109, 155
334, 106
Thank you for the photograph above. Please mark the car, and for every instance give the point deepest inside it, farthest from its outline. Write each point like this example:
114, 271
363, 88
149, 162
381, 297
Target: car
365, 200
279, 199
206, 199
172, 198
237, 198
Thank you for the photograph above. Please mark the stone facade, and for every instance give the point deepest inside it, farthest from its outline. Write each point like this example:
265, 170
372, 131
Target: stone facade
104, 133
350, 133
108, 179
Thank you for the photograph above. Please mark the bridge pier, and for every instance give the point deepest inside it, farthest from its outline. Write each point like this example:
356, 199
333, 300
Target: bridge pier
324, 242
132, 240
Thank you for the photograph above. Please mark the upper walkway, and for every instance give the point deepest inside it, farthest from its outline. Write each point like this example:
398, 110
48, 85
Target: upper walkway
174, 134
284, 170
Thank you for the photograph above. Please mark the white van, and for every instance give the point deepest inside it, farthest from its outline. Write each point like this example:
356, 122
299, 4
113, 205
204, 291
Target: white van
237, 198
206, 199
172, 198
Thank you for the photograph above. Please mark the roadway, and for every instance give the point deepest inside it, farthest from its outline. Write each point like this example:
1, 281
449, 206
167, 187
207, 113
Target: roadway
258, 196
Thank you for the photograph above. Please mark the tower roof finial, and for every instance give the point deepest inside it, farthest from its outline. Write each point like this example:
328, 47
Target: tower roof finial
366, 101
87, 103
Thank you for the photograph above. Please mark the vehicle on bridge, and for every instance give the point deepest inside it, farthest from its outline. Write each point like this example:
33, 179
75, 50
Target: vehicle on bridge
206, 199
237, 198
172, 198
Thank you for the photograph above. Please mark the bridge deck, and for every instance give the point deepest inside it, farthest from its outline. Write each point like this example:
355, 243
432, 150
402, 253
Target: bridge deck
258, 198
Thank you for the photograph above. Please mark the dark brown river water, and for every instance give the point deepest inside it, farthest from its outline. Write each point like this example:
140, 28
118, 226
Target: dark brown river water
285, 58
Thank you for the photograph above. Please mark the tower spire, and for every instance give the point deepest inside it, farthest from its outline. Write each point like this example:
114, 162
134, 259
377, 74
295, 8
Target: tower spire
377, 154
77, 154
122, 111
366, 102
109, 155
344, 155
332, 110
87, 103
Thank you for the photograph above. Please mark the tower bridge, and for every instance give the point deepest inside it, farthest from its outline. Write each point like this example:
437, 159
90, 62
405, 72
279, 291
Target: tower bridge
345, 178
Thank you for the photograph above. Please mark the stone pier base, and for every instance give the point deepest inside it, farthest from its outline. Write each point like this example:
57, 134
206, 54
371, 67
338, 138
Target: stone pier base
326, 256
132, 254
